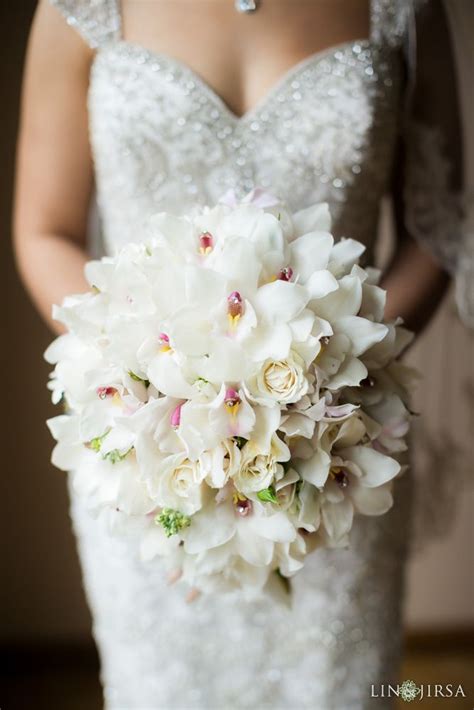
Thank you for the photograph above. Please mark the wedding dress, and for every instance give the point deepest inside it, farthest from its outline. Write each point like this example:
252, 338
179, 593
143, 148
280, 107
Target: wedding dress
163, 140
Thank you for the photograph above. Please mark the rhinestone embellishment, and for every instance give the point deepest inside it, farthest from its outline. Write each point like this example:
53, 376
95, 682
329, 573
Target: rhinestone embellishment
302, 127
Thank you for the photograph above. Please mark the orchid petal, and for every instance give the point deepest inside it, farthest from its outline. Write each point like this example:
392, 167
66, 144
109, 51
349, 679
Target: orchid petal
280, 301
363, 333
167, 377
337, 519
309, 254
316, 217
315, 470
376, 468
343, 302
372, 501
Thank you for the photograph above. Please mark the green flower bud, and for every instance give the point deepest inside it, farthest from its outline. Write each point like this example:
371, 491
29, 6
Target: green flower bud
96, 443
172, 521
267, 495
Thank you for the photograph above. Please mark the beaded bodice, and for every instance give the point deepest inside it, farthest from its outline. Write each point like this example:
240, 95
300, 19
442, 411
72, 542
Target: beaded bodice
162, 139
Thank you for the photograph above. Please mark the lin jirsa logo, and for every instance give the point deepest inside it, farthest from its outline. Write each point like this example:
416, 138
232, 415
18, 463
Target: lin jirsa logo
410, 691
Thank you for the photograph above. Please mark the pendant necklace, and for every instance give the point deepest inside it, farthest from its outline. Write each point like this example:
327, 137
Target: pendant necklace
246, 6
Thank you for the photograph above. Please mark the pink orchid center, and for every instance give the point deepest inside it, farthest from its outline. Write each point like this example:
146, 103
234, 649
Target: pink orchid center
242, 505
235, 307
175, 418
232, 400
206, 243
104, 392
164, 342
340, 476
285, 274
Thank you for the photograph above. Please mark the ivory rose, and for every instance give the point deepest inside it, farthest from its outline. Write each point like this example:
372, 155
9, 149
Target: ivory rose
281, 381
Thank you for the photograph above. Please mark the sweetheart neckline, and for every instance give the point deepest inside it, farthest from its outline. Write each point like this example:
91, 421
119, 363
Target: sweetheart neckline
290, 74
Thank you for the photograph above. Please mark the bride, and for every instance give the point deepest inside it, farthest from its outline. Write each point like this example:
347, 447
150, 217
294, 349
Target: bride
159, 105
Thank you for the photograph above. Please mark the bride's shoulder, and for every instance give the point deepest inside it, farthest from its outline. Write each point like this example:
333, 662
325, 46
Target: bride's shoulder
98, 22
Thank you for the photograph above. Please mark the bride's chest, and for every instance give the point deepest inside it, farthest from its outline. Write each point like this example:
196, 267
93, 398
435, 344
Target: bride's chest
160, 134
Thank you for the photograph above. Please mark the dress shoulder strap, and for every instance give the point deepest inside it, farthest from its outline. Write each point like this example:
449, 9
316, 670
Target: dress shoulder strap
391, 20
97, 21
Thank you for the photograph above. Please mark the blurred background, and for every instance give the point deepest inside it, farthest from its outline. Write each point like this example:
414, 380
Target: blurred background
46, 639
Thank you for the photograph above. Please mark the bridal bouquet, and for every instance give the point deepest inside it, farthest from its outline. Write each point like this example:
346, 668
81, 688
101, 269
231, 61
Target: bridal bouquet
231, 391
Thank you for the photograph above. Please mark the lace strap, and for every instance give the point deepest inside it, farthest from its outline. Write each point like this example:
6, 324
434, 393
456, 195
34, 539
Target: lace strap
97, 21
436, 207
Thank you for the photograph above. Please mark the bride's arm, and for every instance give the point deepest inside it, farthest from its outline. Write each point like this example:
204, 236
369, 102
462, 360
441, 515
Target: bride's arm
414, 282
426, 218
54, 171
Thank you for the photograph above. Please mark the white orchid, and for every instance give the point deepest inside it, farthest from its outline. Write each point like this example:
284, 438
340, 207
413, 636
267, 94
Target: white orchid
219, 537
107, 480
347, 473
232, 393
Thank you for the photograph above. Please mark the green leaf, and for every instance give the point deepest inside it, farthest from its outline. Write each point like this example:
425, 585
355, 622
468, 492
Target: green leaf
137, 378
240, 441
297, 500
267, 495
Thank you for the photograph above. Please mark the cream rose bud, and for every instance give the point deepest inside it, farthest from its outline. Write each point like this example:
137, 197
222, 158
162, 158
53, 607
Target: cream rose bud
282, 380
180, 484
257, 472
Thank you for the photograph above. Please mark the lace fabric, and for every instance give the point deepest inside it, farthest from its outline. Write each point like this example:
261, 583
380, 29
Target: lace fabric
435, 204
434, 212
341, 634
